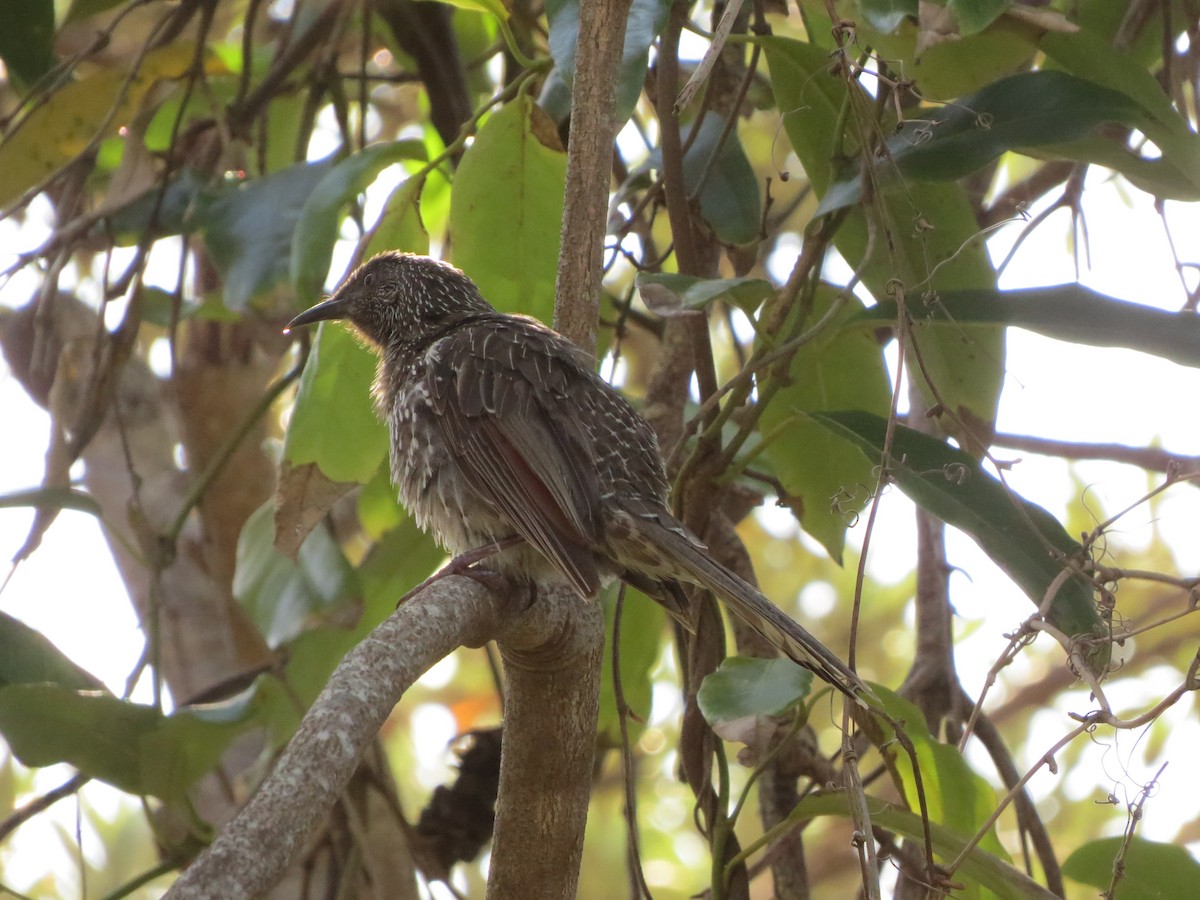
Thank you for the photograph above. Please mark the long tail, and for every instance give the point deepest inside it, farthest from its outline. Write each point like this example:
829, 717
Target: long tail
786, 635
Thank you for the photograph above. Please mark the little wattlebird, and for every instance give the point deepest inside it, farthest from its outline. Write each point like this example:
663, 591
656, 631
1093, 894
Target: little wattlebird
502, 432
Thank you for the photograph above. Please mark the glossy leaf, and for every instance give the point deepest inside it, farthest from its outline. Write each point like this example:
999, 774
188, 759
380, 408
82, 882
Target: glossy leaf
743, 686
1068, 312
284, 597
333, 423
728, 188
828, 482
248, 230
1030, 109
316, 229
646, 20
1019, 536
133, 747
1087, 56
928, 238
506, 209
1150, 870
28, 657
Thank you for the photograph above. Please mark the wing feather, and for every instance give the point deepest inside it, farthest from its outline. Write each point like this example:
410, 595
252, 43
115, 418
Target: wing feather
535, 468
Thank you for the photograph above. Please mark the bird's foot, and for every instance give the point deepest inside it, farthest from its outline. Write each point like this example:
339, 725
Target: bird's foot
468, 564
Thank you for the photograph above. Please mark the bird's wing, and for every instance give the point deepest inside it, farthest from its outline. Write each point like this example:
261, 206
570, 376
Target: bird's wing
493, 387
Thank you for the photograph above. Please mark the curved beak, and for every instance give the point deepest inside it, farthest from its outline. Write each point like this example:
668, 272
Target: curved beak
336, 307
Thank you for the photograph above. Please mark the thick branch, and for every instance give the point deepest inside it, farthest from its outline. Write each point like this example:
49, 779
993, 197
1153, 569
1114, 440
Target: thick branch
271, 831
552, 701
552, 683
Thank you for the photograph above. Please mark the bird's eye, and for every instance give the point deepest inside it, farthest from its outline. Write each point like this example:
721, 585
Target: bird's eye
369, 279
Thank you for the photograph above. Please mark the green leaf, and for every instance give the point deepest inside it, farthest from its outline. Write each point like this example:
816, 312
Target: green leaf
927, 239
817, 468
27, 39
641, 640
1020, 537
248, 230
947, 68
743, 686
82, 9
135, 748
1068, 312
1030, 109
379, 509
506, 209
986, 869
283, 597
95, 107
885, 16
1152, 871
729, 194
28, 657
399, 561
279, 703
975, 15
955, 795
746, 294
1087, 56
646, 20
333, 423
399, 226
493, 7
178, 211
317, 227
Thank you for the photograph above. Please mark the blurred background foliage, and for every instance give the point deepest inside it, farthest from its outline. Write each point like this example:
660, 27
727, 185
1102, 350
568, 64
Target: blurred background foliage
179, 179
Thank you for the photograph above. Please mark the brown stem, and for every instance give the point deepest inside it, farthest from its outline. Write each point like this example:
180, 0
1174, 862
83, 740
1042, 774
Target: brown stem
1152, 459
932, 683
589, 162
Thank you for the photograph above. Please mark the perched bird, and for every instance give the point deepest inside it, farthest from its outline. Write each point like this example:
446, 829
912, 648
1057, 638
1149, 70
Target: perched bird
501, 429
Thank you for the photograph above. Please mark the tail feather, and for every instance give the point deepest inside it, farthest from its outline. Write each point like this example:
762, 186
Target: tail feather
786, 635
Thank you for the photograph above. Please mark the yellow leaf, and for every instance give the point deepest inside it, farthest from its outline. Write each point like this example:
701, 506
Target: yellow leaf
96, 106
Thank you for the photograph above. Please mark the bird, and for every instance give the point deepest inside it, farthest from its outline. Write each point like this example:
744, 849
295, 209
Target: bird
503, 433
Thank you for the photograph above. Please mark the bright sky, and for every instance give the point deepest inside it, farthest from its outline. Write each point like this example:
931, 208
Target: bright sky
69, 589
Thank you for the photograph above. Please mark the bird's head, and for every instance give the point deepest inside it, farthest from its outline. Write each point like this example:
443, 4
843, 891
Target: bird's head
398, 297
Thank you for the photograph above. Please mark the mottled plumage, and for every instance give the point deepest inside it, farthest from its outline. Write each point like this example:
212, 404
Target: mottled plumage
500, 427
